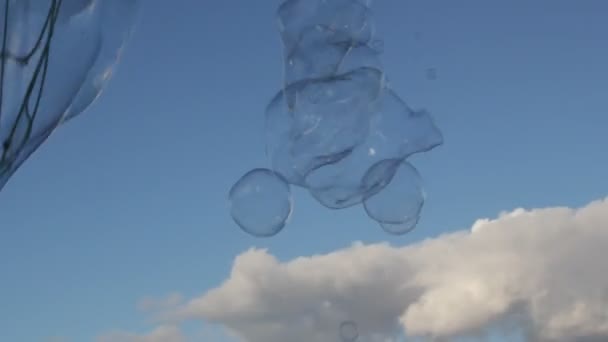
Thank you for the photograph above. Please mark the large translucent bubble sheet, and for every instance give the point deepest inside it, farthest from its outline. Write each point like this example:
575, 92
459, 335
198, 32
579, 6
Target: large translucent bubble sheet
57, 56
336, 128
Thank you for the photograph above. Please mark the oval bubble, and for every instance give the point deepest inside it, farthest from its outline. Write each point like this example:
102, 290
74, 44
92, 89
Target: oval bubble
349, 331
398, 205
261, 202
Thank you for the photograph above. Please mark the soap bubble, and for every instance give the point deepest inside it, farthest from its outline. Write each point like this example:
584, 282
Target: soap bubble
261, 202
56, 56
397, 206
349, 331
115, 19
396, 132
332, 115
331, 118
318, 34
336, 128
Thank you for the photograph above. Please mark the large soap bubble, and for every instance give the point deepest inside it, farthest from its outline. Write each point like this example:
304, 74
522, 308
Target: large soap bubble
56, 57
260, 202
336, 128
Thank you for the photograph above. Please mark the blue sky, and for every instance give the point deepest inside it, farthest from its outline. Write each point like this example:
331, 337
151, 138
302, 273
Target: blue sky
130, 200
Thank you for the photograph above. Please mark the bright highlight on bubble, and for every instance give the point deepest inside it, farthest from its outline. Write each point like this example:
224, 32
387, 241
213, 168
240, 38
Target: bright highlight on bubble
56, 57
336, 128
261, 202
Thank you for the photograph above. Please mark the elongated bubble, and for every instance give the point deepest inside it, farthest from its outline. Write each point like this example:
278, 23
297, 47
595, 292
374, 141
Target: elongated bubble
260, 202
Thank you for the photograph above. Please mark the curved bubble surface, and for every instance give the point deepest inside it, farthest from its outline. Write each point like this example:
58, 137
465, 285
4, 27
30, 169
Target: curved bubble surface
398, 205
349, 331
260, 202
336, 128
56, 57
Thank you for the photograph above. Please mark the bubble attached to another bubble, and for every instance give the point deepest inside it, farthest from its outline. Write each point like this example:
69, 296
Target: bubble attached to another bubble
349, 331
336, 128
261, 203
395, 133
397, 207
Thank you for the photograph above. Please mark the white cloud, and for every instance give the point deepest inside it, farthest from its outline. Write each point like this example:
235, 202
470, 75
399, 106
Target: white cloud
542, 271
160, 334
155, 304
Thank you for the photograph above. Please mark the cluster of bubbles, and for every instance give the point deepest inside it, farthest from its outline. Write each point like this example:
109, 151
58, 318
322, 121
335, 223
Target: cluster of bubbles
56, 57
336, 128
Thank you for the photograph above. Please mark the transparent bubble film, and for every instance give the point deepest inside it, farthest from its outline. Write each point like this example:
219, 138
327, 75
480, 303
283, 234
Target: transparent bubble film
260, 202
336, 128
57, 56
349, 331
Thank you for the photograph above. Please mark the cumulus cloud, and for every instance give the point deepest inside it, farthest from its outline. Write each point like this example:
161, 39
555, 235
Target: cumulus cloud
543, 272
161, 334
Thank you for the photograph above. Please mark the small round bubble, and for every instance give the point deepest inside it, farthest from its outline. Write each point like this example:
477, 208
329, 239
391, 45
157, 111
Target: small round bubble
261, 203
397, 207
349, 331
